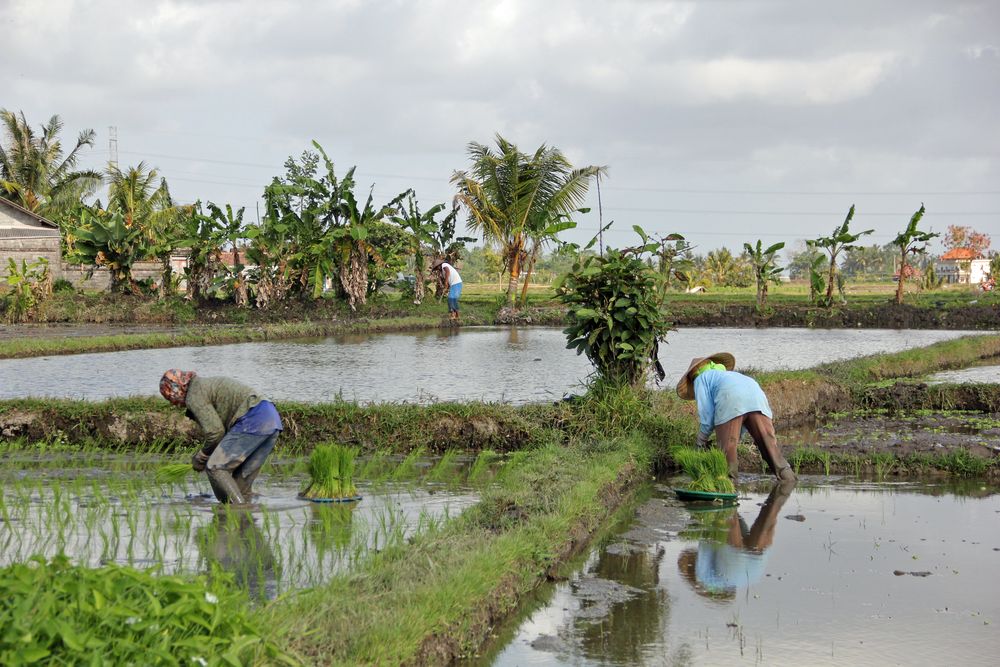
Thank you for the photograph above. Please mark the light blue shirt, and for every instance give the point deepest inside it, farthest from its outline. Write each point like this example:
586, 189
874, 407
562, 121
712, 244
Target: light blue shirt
725, 395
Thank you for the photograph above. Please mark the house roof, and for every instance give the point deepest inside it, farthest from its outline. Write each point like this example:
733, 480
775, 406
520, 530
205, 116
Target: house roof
17, 207
961, 254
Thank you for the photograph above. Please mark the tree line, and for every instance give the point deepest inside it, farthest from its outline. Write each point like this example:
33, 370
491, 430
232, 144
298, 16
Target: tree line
320, 232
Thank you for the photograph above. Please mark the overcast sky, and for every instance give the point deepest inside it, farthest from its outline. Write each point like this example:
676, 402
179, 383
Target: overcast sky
726, 121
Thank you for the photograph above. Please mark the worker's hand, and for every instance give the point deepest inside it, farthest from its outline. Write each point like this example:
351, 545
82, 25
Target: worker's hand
702, 440
199, 461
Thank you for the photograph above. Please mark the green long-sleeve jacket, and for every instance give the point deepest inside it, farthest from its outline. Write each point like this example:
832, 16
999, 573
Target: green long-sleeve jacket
215, 403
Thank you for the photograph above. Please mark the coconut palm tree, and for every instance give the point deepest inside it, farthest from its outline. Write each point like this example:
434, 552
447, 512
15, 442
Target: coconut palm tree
511, 197
35, 174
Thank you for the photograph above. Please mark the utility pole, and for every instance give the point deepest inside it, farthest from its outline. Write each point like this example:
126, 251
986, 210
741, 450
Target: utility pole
113, 146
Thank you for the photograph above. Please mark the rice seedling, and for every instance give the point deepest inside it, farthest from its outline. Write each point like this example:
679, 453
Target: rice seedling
331, 472
172, 473
408, 467
707, 469
444, 470
482, 466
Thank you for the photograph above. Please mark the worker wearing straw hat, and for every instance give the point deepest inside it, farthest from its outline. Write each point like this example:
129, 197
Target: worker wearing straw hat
729, 403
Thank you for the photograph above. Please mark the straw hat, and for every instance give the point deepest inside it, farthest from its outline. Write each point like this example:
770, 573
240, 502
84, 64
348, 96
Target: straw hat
436, 263
684, 387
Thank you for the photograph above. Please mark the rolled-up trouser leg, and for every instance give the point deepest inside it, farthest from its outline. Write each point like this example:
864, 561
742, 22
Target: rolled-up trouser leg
728, 437
761, 429
233, 451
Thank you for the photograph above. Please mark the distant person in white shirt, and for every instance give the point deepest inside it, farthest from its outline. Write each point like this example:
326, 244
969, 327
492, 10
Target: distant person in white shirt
454, 281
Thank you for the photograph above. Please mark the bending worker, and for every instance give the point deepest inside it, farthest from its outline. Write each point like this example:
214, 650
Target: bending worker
239, 425
730, 402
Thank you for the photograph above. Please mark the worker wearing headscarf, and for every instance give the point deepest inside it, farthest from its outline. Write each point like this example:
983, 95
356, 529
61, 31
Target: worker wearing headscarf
240, 428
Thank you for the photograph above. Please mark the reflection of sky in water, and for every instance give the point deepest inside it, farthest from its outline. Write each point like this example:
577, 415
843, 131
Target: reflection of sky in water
829, 594
493, 364
977, 375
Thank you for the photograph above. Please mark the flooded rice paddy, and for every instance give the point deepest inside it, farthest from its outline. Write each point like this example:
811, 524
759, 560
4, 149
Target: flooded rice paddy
831, 572
974, 375
479, 363
113, 511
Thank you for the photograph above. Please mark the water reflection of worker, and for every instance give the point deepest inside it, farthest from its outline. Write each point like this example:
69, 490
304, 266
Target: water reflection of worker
730, 402
240, 428
732, 556
233, 542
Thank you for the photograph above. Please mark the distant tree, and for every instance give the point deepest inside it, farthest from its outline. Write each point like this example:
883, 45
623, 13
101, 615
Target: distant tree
870, 260
511, 197
800, 261
841, 239
911, 241
765, 267
35, 174
674, 258
725, 269
958, 236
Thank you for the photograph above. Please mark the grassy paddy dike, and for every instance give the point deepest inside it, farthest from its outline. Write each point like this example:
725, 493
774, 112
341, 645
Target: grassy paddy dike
569, 468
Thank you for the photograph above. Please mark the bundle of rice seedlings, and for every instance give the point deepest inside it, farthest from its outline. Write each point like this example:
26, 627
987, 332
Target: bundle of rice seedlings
707, 469
331, 472
172, 472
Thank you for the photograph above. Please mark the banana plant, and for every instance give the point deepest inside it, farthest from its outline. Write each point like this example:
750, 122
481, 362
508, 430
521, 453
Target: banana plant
841, 239
102, 239
909, 243
765, 268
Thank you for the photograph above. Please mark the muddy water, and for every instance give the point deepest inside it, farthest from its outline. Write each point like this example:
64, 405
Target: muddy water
832, 573
493, 364
281, 543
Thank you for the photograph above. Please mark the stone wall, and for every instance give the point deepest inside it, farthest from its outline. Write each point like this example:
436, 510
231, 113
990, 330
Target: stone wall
31, 248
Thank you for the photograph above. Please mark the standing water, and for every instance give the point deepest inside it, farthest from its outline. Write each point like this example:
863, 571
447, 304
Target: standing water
839, 574
489, 364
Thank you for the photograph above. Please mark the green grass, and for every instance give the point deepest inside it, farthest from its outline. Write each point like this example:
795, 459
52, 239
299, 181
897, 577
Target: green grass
448, 586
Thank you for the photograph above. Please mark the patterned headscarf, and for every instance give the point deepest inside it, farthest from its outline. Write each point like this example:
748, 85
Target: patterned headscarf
174, 385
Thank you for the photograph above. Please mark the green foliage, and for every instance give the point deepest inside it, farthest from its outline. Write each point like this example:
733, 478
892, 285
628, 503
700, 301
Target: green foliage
911, 241
512, 197
765, 268
707, 469
58, 613
102, 239
840, 240
331, 472
35, 174
30, 284
614, 304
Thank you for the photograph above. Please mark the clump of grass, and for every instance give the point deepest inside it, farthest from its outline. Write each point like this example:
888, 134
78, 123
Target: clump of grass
331, 472
172, 472
707, 469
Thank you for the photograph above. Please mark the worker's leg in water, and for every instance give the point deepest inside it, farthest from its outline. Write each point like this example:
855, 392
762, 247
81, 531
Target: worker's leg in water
728, 437
761, 429
246, 473
232, 452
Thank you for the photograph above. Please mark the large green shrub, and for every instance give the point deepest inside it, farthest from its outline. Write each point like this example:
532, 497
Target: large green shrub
58, 613
614, 305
